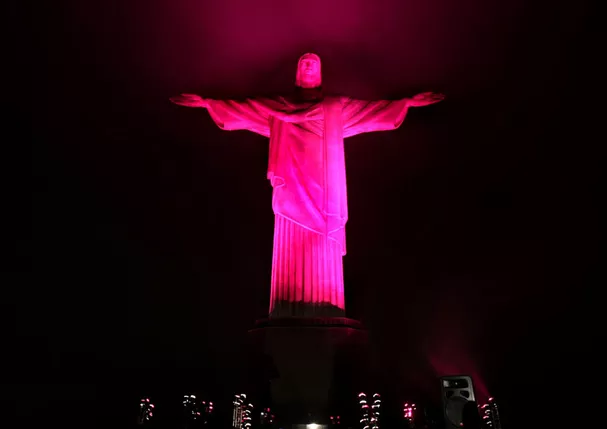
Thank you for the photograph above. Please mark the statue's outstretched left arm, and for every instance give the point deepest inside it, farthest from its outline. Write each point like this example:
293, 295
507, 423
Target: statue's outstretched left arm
361, 116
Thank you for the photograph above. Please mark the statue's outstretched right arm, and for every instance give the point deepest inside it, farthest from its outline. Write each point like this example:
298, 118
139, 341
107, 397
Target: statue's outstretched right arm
251, 114
189, 100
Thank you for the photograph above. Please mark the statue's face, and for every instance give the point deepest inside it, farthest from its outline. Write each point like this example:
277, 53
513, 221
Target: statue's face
308, 71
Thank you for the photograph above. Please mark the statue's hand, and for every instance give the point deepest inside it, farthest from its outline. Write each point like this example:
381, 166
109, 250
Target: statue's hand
189, 100
425, 99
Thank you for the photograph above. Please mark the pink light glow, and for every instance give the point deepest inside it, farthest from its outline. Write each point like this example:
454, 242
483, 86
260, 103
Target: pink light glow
308, 175
448, 359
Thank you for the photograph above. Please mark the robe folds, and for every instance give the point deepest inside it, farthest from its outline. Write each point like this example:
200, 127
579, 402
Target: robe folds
307, 171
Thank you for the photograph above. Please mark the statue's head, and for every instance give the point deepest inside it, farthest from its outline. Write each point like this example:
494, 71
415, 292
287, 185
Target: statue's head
308, 71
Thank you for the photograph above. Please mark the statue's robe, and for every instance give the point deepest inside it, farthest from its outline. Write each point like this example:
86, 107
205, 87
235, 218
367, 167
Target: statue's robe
308, 175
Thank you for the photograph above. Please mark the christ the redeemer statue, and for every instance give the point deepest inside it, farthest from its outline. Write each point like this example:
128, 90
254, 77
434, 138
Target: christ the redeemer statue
308, 175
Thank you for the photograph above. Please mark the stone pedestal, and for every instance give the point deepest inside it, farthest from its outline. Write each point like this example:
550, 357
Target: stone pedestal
315, 359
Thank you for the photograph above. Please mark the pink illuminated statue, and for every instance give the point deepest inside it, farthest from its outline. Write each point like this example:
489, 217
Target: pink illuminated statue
308, 174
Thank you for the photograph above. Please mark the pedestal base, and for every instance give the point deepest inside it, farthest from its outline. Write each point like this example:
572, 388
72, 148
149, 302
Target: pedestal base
315, 359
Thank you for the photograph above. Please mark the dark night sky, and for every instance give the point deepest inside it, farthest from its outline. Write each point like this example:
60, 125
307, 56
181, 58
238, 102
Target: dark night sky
473, 228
